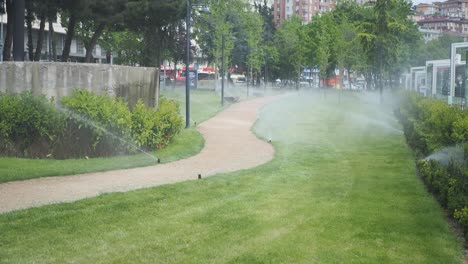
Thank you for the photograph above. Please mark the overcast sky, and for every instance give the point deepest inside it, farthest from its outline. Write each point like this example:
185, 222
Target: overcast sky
415, 2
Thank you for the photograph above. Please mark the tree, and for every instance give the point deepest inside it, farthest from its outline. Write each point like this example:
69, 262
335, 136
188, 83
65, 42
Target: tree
324, 44
41, 11
73, 10
29, 19
382, 36
289, 40
9, 32
151, 19
101, 14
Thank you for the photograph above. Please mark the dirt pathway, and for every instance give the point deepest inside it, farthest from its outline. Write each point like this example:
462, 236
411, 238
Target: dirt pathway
229, 146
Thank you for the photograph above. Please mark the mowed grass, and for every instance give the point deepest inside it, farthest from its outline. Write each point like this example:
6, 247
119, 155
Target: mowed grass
188, 143
341, 189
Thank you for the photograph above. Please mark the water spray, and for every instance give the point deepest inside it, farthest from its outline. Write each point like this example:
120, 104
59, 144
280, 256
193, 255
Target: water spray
94, 125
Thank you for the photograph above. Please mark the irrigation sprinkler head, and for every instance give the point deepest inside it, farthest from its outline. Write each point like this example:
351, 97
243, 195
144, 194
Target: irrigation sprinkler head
199, 176
159, 160
195, 123
269, 140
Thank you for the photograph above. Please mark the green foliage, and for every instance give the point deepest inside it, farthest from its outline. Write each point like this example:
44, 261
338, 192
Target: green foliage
155, 129
450, 186
86, 125
105, 120
437, 49
430, 124
291, 48
29, 125
462, 216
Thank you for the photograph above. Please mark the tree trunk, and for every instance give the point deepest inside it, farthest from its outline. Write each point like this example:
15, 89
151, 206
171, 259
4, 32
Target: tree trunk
69, 37
53, 45
175, 75
29, 20
40, 38
9, 32
92, 43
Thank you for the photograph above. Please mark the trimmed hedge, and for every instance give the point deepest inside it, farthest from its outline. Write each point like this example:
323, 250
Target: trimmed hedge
84, 124
429, 125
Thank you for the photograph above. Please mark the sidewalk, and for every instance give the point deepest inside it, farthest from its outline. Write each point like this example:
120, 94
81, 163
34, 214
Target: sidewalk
229, 146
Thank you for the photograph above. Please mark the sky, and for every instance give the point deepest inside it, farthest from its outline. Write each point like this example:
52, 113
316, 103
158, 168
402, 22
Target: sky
415, 2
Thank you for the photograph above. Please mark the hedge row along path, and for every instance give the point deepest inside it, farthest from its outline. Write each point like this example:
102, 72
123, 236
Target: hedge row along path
230, 145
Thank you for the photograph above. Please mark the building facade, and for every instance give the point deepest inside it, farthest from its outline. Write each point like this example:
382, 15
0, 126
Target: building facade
453, 8
305, 9
452, 25
426, 9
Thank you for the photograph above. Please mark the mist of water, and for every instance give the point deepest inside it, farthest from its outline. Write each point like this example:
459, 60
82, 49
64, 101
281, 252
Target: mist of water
445, 155
107, 132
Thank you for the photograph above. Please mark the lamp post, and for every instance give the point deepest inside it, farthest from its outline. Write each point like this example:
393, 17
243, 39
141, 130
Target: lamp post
223, 43
187, 63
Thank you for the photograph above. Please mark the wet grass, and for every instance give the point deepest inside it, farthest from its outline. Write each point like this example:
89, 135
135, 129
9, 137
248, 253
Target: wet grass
188, 143
341, 189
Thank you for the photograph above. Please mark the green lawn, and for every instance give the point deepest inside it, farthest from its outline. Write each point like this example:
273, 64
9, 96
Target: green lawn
189, 142
203, 103
341, 189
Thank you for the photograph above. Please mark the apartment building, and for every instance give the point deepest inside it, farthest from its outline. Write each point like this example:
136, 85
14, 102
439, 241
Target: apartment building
452, 25
426, 9
453, 8
305, 9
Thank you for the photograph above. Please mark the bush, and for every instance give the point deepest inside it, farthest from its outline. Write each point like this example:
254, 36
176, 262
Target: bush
103, 122
155, 129
449, 184
29, 125
84, 125
431, 124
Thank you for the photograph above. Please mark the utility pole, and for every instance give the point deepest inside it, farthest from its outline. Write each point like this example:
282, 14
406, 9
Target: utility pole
18, 30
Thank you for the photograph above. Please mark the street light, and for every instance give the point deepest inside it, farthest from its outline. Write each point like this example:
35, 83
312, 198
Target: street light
223, 43
187, 62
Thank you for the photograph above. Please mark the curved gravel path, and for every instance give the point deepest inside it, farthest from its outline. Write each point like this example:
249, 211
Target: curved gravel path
229, 146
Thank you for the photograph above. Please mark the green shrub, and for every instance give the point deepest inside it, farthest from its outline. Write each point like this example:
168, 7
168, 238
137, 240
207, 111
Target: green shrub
84, 125
430, 124
168, 120
449, 184
101, 121
29, 125
461, 215
155, 129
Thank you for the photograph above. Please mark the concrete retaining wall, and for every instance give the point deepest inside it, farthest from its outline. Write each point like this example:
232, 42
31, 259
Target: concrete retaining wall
55, 79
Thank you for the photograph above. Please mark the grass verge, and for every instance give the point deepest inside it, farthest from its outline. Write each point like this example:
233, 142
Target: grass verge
341, 189
188, 143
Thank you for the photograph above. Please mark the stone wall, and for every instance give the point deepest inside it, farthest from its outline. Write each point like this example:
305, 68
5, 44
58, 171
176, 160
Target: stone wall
55, 79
